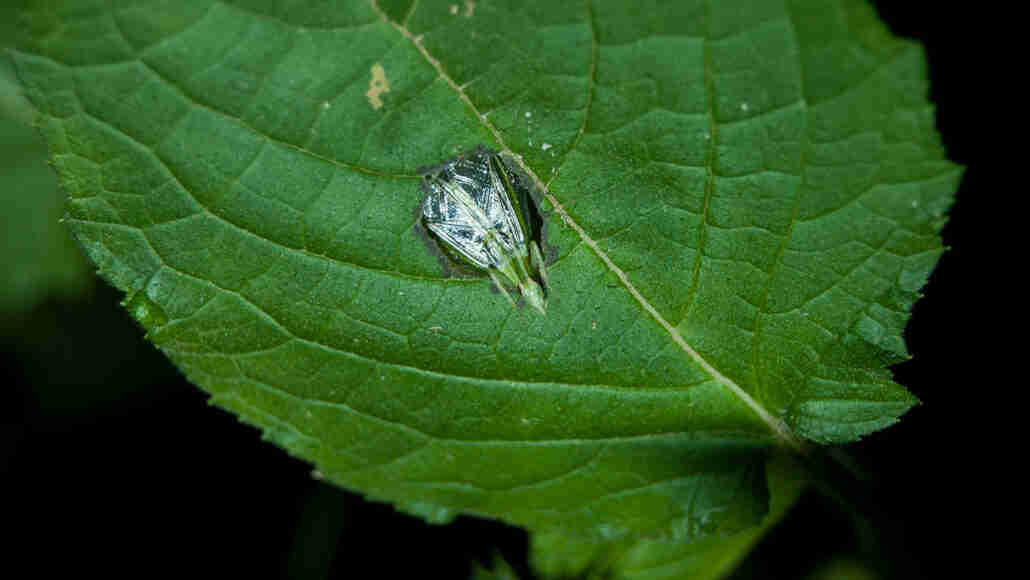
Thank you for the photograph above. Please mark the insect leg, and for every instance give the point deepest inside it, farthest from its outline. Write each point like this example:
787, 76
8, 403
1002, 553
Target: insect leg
537, 260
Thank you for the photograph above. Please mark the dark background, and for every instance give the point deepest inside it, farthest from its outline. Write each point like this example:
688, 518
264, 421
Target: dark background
110, 461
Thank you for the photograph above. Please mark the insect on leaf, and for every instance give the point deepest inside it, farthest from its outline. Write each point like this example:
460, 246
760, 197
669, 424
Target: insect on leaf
473, 208
744, 202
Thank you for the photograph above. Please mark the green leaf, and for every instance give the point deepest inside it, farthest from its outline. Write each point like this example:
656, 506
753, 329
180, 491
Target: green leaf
558, 556
744, 199
38, 259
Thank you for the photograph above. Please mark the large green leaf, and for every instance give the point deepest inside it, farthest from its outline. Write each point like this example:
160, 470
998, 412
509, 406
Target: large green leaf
743, 202
556, 555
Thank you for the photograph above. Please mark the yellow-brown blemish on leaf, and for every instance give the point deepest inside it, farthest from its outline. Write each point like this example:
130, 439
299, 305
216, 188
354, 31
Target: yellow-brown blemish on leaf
470, 8
377, 85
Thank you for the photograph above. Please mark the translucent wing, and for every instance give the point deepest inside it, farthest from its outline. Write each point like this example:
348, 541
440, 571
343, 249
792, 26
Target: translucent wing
468, 207
468, 241
477, 176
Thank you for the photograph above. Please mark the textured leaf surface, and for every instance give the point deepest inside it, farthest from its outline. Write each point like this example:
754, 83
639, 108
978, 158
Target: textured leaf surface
744, 200
558, 556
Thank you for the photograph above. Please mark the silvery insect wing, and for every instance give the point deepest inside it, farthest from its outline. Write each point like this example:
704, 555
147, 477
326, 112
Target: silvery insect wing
519, 191
448, 221
478, 207
469, 198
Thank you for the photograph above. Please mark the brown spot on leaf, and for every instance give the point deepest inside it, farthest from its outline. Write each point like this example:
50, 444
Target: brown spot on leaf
377, 85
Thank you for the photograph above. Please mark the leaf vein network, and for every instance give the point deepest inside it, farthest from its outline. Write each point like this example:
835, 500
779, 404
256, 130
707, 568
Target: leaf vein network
779, 429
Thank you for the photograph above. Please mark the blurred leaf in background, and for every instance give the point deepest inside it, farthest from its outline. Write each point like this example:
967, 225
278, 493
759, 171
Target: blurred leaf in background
843, 569
74, 349
38, 258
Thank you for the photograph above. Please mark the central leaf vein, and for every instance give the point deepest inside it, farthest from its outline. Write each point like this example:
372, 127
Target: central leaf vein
775, 424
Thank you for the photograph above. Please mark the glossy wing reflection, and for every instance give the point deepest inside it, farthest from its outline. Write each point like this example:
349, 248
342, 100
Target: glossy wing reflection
468, 207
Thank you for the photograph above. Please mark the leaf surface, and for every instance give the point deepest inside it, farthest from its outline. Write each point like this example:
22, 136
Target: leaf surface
744, 199
559, 556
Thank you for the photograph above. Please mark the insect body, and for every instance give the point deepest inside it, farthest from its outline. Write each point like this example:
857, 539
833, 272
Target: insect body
472, 204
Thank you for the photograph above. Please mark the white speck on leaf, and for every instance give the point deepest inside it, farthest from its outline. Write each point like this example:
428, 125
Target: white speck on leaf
454, 9
528, 114
326, 105
546, 146
744, 107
